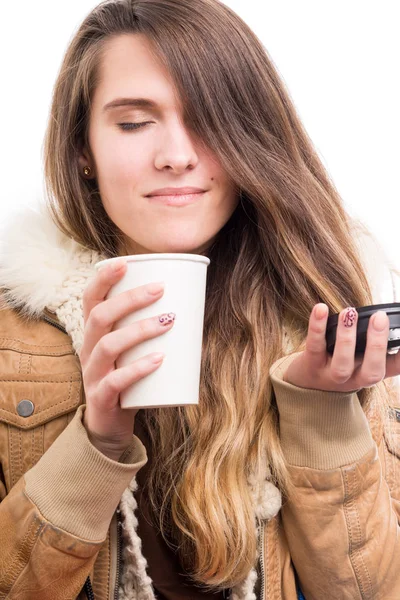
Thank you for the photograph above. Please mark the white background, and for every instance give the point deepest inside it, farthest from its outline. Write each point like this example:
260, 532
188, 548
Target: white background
338, 59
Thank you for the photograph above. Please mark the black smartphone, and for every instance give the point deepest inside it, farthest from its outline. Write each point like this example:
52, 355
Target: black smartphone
364, 313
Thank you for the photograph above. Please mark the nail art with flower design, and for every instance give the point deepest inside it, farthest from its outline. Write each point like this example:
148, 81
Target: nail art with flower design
349, 316
167, 318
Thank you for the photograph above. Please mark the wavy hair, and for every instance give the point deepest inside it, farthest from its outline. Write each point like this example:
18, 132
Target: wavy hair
288, 245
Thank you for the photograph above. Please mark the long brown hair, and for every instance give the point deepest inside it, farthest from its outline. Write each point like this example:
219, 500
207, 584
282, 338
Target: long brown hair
288, 246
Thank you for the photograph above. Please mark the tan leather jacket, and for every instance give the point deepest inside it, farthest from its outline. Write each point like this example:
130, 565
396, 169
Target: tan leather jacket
342, 531
60, 496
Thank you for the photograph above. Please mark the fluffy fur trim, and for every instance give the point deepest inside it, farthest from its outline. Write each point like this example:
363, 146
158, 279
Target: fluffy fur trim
135, 582
41, 267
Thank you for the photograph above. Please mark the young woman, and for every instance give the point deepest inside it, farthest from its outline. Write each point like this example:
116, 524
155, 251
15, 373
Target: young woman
284, 480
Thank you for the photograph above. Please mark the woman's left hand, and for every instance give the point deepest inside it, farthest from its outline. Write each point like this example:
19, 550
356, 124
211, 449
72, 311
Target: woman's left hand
314, 368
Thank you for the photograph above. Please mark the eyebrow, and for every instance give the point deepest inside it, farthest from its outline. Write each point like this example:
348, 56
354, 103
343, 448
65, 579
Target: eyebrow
135, 102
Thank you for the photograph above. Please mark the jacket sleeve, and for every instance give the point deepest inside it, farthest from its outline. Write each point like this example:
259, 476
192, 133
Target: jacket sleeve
341, 521
55, 519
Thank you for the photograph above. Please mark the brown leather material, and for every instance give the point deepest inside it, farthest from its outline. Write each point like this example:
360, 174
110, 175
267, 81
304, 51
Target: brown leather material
272, 570
392, 457
54, 561
37, 364
353, 506
354, 509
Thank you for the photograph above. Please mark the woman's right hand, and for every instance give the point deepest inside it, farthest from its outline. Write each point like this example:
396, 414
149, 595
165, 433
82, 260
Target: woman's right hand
109, 427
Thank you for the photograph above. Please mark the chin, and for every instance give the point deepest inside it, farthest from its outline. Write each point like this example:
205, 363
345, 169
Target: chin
176, 250
180, 249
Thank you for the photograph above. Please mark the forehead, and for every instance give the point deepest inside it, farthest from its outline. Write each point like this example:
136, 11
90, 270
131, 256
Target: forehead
129, 68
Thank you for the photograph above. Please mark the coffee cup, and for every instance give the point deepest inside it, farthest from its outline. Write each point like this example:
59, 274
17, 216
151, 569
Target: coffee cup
176, 382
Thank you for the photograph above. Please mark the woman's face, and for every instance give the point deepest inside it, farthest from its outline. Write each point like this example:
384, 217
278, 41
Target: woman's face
130, 164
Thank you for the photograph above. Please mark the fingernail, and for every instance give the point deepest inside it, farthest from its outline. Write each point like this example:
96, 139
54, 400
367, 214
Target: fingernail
154, 288
349, 316
167, 318
113, 266
320, 311
379, 321
118, 264
157, 357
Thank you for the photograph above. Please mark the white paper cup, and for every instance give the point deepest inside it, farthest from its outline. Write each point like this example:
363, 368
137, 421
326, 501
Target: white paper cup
176, 381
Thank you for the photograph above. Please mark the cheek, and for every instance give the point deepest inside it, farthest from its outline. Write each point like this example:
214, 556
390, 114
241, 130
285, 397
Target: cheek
122, 169
229, 194
117, 159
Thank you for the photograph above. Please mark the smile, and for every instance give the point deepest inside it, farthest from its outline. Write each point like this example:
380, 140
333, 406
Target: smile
176, 200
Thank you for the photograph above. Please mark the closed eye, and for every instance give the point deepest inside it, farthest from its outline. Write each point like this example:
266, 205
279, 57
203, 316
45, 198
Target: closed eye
132, 126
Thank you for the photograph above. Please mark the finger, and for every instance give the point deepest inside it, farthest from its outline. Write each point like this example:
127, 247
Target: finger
113, 344
100, 285
343, 359
315, 350
110, 387
104, 315
373, 368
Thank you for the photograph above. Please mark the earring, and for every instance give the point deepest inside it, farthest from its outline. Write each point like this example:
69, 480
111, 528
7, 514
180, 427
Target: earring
87, 170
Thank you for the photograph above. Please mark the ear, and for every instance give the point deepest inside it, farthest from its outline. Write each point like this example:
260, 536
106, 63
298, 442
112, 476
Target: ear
85, 160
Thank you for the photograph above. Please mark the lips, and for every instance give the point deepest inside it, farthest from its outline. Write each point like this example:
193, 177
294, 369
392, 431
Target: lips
176, 199
171, 191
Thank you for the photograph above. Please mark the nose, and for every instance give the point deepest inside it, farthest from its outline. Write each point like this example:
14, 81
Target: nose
176, 150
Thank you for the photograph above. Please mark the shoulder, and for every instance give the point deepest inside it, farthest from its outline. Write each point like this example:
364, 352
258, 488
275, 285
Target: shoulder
30, 333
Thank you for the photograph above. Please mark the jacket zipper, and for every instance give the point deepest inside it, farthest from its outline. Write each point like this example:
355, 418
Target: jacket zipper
48, 320
262, 566
119, 544
88, 586
88, 589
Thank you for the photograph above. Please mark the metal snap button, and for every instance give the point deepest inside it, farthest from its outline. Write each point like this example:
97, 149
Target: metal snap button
25, 408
